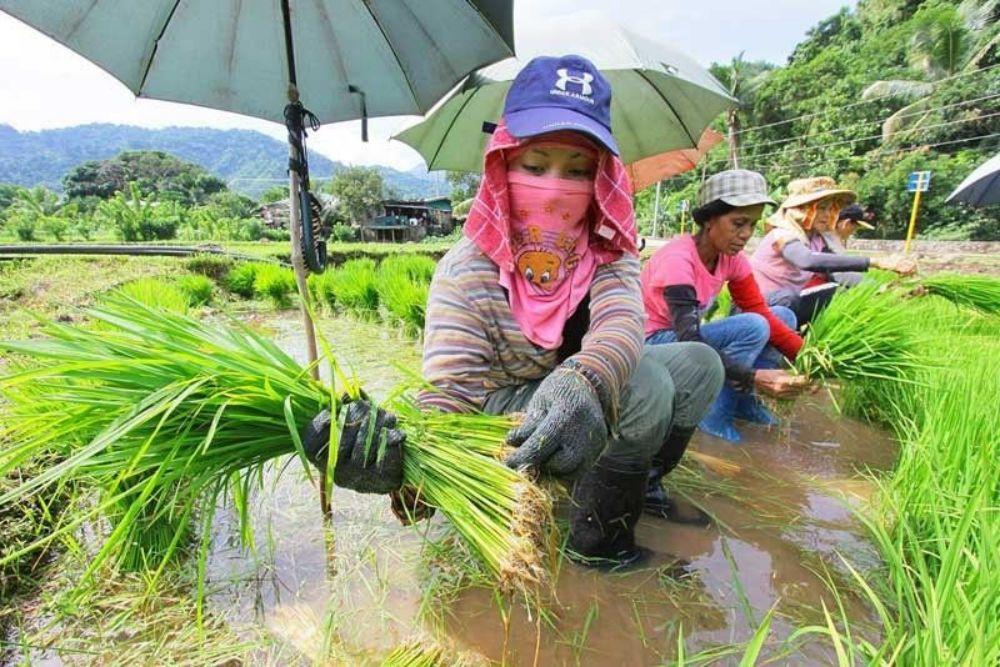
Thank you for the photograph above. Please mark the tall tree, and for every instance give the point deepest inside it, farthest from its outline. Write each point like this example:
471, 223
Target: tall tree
359, 191
742, 78
154, 172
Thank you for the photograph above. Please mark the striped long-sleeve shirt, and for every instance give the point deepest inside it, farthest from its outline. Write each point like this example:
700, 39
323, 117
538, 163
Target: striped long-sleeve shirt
473, 345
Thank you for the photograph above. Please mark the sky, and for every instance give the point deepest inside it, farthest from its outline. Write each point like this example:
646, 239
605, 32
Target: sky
45, 85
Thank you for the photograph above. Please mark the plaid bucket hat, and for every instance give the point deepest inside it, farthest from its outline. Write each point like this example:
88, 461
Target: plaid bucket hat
736, 187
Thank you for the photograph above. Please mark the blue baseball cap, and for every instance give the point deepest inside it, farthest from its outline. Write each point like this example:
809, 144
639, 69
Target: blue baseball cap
566, 93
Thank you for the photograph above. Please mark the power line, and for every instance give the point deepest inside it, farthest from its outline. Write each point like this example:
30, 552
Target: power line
842, 130
874, 136
855, 104
777, 166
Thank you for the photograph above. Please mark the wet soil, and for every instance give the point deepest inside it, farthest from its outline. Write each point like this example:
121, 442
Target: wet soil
782, 523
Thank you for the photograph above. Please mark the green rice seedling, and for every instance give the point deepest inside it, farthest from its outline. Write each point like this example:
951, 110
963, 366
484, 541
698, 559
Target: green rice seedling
354, 287
216, 267
168, 416
197, 289
156, 293
321, 287
721, 307
427, 653
275, 283
403, 297
419, 268
864, 333
240, 279
978, 292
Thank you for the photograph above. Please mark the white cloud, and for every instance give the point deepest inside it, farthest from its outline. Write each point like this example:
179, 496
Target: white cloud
46, 85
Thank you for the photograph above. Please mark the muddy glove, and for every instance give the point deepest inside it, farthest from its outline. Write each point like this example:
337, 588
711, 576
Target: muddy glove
563, 429
358, 465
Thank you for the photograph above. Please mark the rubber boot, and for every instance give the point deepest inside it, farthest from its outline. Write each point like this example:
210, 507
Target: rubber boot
750, 408
719, 420
658, 502
607, 503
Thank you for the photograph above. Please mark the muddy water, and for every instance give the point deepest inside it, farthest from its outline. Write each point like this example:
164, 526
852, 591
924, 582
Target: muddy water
352, 592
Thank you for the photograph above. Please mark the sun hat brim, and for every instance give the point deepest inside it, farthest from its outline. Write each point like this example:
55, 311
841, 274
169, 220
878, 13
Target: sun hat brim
846, 197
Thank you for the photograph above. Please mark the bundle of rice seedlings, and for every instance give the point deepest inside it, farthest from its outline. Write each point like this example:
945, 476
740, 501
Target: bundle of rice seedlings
216, 267
419, 652
167, 415
275, 283
864, 334
240, 279
354, 286
197, 289
981, 293
152, 291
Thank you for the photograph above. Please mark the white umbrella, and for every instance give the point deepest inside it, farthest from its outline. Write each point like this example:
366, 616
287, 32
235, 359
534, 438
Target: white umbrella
662, 100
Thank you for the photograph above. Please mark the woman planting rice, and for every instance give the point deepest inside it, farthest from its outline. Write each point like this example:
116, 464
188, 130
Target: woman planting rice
538, 310
683, 279
792, 251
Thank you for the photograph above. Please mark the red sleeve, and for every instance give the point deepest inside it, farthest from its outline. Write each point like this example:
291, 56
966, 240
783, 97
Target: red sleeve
747, 296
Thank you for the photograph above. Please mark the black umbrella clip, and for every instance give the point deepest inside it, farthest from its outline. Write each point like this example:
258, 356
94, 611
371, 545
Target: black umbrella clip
313, 234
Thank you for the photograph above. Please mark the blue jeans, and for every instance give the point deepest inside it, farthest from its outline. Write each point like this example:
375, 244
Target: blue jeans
742, 338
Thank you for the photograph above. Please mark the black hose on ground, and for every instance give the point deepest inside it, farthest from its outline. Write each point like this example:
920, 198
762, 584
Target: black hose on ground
129, 250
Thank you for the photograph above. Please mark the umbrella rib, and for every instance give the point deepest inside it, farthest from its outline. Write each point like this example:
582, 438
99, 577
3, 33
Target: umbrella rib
489, 24
392, 49
694, 142
156, 46
454, 119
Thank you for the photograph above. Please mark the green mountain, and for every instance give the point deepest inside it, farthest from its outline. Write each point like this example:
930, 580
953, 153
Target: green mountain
249, 161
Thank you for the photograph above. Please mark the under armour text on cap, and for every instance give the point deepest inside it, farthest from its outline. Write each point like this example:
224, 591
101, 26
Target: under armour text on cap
566, 93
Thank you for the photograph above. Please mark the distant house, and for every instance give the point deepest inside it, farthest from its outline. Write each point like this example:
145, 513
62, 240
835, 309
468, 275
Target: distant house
275, 214
409, 220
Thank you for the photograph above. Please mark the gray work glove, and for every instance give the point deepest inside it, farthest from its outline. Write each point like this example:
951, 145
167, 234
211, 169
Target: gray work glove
359, 466
563, 430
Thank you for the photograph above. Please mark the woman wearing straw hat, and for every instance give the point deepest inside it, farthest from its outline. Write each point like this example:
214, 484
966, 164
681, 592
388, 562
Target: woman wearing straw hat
793, 250
682, 280
538, 310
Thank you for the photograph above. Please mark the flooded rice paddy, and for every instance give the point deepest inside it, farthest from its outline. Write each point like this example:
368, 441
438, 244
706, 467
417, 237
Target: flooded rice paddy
782, 523
349, 593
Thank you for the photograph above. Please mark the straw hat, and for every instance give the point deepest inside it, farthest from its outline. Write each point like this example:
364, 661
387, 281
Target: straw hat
807, 190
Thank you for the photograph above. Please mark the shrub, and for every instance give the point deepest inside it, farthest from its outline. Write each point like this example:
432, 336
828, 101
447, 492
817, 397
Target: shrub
275, 283
354, 286
23, 226
197, 289
275, 234
240, 279
216, 267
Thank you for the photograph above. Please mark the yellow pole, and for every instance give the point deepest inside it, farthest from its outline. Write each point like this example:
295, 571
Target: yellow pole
913, 221
683, 211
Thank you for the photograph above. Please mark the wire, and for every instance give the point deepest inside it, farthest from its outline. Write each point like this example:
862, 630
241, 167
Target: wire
862, 123
873, 137
855, 104
777, 166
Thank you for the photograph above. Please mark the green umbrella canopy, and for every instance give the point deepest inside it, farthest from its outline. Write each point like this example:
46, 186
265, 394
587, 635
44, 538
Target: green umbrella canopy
230, 54
662, 99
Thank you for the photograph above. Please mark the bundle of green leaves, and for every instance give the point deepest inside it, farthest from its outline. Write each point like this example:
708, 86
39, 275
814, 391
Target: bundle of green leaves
167, 416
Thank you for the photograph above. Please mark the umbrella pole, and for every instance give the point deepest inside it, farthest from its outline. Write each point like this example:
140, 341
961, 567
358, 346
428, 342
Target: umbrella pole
295, 232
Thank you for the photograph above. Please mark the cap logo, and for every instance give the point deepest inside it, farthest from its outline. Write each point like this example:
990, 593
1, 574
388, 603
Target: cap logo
583, 80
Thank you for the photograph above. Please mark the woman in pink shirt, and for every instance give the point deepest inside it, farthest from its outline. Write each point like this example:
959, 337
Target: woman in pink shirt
683, 279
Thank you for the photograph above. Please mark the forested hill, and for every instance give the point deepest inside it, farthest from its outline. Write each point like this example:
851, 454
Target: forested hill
869, 96
249, 161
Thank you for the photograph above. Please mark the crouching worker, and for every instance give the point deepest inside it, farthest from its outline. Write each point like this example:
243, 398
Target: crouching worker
683, 279
537, 310
794, 249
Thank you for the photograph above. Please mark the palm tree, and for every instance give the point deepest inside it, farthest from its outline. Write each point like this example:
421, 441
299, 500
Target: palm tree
947, 40
742, 80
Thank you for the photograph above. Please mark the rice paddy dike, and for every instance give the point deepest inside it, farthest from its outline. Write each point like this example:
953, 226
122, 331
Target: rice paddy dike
829, 536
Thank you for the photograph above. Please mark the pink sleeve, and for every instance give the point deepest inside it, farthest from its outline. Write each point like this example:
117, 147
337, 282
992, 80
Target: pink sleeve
674, 268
